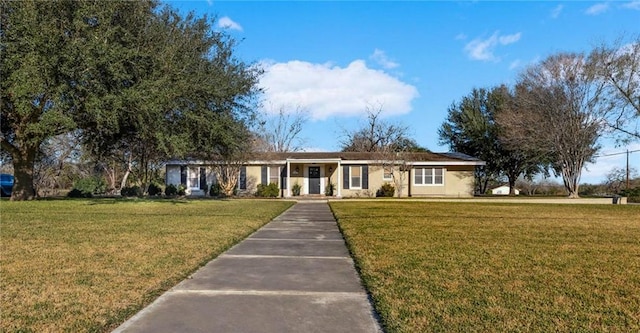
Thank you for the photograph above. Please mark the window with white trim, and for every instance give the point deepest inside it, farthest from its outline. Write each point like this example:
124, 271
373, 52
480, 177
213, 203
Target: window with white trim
428, 176
387, 173
194, 178
274, 175
355, 177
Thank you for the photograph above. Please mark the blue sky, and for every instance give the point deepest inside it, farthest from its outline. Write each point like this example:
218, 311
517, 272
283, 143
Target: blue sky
413, 58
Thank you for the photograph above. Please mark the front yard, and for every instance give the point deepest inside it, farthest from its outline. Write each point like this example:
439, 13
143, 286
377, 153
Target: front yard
478, 267
80, 266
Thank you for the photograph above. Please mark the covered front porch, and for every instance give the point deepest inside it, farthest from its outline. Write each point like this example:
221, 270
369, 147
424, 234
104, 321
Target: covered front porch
313, 177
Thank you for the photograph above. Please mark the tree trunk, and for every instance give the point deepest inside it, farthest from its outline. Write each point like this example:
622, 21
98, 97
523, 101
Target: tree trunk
512, 185
23, 164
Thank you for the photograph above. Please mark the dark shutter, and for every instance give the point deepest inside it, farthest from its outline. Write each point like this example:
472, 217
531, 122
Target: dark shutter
345, 177
243, 177
183, 175
365, 177
263, 174
283, 178
203, 179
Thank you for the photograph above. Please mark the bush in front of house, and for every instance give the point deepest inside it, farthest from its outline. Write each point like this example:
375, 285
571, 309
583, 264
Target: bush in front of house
328, 191
215, 190
268, 191
171, 190
154, 189
295, 189
131, 191
87, 187
386, 190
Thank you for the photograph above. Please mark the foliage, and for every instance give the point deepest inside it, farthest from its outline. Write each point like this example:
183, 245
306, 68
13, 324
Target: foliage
171, 190
329, 189
632, 194
556, 114
87, 187
131, 191
215, 190
102, 69
386, 190
182, 190
471, 128
57, 255
464, 267
154, 189
295, 189
268, 191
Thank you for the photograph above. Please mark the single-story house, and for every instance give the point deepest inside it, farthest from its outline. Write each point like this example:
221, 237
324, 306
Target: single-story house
352, 174
503, 190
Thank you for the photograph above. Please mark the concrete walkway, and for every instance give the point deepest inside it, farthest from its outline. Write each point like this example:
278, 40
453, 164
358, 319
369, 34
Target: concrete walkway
293, 275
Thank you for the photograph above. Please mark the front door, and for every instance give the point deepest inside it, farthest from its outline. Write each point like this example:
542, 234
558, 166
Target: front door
314, 180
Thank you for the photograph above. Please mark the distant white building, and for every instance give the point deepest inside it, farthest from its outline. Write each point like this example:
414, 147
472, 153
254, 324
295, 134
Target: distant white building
503, 190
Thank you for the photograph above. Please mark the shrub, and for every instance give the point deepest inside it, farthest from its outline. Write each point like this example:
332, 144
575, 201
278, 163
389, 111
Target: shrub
76, 193
328, 191
386, 190
132, 191
154, 189
171, 190
295, 189
87, 187
633, 194
215, 190
268, 191
182, 190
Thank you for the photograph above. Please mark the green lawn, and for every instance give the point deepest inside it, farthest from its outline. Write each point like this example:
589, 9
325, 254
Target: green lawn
487, 267
87, 265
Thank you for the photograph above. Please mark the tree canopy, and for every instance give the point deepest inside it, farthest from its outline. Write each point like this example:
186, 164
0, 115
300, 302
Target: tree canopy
135, 80
471, 128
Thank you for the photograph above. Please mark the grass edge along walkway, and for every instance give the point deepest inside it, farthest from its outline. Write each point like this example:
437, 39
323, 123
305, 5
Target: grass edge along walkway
88, 265
460, 267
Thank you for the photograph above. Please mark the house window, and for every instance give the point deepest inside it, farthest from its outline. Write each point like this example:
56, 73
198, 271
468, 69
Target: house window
387, 173
355, 173
274, 175
193, 180
428, 176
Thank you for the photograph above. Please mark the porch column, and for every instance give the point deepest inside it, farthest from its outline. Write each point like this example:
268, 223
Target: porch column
339, 180
288, 179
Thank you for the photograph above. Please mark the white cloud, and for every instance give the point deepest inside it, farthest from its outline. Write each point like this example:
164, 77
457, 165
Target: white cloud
461, 36
226, 22
555, 13
598, 8
482, 49
632, 5
380, 57
326, 90
515, 64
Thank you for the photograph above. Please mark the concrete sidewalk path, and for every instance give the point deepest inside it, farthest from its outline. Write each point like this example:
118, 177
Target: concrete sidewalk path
292, 275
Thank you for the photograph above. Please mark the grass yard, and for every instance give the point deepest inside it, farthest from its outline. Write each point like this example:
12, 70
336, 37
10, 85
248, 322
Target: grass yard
87, 265
478, 267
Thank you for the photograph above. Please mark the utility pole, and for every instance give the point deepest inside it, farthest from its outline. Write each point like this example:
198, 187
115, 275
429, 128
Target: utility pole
627, 170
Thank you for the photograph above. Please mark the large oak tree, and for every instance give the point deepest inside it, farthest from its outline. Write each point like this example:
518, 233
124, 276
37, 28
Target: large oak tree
131, 78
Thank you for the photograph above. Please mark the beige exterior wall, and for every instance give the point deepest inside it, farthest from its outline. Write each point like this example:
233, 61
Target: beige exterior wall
458, 182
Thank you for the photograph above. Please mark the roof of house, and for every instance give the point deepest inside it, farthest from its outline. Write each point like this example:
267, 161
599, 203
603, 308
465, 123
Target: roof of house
356, 156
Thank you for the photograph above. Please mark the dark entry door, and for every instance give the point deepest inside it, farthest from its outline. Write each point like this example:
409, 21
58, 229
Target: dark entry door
314, 180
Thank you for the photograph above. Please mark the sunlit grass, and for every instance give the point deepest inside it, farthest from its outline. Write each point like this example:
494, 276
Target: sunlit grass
473, 267
84, 265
